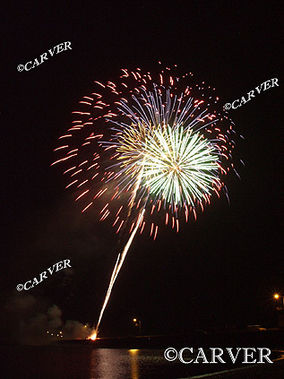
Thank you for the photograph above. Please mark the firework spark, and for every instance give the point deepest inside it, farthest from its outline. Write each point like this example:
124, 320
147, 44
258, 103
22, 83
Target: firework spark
147, 150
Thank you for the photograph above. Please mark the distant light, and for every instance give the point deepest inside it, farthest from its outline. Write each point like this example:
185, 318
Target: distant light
276, 296
135, 320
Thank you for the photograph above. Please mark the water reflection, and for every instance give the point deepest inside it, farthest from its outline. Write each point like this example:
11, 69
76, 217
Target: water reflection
114, 363
134, 363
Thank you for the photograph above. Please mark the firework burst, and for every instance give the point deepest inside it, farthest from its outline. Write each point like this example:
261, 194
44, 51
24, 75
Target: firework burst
177, 165
147, 150
163, 132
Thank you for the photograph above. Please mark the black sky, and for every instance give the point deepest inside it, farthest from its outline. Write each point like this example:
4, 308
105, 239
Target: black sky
221, 269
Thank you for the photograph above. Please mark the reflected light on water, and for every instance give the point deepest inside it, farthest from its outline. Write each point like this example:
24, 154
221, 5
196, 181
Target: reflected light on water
114, 364
134, 363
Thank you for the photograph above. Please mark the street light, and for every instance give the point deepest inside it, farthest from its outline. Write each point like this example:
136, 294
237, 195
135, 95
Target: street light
280, 301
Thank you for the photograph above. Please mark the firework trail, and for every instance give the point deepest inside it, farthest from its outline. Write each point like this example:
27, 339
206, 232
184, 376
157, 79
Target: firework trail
120, 258
117, 267
147, 150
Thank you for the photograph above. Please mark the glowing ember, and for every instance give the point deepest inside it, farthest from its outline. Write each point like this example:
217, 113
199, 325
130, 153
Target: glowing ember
93, 336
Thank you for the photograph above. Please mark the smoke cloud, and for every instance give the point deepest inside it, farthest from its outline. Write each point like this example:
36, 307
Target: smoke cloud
31, 321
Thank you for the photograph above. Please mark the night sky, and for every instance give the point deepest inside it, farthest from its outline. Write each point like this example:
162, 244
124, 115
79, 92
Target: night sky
222, 269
